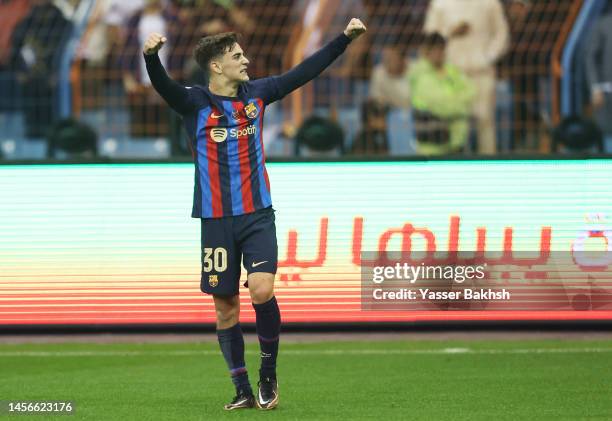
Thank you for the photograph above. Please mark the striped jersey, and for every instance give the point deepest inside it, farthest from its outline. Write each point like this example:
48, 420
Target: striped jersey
227, 143
226, 133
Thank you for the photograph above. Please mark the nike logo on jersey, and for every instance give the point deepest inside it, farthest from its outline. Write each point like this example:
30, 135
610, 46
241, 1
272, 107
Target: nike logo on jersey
215, 116
259, 263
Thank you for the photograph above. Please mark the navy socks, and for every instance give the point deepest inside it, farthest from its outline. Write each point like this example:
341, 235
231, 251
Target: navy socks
232, 347
231, 342
268, 329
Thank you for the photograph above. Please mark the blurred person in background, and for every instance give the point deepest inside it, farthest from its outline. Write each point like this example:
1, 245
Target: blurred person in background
599, 73
117, 14
37, 45
67, 7
316, 22
102, 44
11, 13
389, 83
148, 115
200, 18
115, 17
527, 66
372, 139
477, 34
395, 22
442, 99
520, 66
269, 44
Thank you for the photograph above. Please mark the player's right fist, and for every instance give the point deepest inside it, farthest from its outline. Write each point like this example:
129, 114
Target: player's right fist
153, 43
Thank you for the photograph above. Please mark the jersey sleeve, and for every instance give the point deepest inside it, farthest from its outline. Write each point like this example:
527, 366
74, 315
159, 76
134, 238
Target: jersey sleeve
273, 88
266, 89
178, 97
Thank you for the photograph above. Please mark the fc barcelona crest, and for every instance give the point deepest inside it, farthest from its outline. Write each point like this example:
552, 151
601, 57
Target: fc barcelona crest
213, 280
251, 111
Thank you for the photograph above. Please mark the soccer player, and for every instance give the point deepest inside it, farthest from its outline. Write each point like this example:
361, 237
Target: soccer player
232, 191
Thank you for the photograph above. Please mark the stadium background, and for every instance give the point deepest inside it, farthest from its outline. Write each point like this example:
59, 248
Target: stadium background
103, 241
99, 259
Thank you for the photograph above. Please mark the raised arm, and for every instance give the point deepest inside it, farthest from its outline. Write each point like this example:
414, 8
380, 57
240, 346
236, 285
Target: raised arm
319, 61
176, 95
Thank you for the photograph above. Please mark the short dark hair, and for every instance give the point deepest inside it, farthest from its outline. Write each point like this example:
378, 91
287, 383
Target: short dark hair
433, 40
213, 46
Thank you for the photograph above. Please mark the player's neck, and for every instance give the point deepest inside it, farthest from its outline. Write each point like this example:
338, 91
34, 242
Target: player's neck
223, 88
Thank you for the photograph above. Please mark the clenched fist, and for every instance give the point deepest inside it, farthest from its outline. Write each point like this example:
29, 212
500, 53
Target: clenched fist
153, 43
354, 28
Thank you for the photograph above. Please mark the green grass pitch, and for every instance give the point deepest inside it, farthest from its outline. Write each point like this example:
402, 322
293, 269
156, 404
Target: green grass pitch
416, 380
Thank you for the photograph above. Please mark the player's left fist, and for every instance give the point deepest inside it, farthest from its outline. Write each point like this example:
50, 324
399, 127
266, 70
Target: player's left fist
354, 28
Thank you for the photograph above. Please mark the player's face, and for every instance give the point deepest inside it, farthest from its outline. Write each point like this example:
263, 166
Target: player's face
234, 64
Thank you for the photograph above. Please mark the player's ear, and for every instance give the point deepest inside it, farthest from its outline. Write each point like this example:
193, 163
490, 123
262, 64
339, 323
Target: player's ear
215, 67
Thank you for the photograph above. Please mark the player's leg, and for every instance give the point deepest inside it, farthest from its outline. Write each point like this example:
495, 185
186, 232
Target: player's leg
260, 256
231, 342
220, 277
268, 323
268, 320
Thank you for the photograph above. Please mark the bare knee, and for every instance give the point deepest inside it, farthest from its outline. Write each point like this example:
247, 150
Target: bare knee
261, 295
227, 310
261, 287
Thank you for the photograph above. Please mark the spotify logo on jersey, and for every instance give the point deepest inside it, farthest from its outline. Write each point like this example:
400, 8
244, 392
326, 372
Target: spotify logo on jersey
252, 129
218, 134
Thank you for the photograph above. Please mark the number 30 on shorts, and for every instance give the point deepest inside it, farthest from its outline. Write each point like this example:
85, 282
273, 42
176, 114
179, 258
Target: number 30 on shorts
214, 259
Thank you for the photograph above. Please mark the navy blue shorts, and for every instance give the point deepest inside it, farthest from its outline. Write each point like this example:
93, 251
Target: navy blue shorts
227, 241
